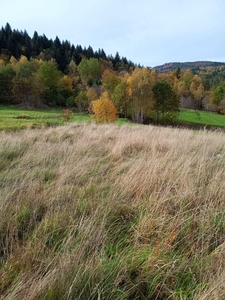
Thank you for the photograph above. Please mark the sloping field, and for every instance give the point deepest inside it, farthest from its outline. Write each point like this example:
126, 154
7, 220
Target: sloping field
201, 117
106, 212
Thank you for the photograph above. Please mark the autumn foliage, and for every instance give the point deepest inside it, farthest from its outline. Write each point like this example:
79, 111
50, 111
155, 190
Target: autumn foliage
64, 76
103, 109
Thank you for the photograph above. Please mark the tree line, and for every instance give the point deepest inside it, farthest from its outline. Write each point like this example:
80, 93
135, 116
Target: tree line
77, 81
16, 43
37, 82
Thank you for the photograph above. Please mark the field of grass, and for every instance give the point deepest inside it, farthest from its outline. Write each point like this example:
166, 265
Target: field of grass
14, 118
112, 212
201, 117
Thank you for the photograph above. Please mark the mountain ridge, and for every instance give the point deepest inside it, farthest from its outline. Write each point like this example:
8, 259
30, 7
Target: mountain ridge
195, 65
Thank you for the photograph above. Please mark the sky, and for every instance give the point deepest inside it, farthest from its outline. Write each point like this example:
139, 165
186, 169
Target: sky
149, 32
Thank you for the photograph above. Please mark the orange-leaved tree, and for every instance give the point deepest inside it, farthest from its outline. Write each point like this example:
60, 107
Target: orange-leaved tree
103, 109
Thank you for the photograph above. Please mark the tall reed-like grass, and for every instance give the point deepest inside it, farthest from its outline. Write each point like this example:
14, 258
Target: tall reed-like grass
105, 212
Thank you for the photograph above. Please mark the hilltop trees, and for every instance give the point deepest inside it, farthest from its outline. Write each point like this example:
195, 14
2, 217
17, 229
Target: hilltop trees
17, 43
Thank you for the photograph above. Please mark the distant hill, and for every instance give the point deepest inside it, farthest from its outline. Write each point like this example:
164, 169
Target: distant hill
194, 66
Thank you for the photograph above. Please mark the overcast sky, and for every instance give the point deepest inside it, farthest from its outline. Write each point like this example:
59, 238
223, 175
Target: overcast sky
149, 32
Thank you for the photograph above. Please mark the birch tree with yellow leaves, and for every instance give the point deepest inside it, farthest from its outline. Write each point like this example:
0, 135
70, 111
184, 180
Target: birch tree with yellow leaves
103, 110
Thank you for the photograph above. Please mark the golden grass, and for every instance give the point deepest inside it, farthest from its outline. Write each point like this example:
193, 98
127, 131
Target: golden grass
105, 212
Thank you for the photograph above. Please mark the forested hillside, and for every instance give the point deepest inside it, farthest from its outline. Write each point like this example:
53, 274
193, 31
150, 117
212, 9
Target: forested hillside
40, 72
16, 43
194, 66
212, 73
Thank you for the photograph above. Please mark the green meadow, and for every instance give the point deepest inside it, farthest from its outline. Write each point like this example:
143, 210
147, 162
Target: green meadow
14, 118
201, 117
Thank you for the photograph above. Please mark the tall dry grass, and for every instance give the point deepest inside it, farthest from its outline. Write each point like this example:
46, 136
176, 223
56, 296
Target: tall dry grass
108, 212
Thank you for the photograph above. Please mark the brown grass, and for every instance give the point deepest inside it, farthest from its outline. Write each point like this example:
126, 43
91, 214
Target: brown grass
108, 212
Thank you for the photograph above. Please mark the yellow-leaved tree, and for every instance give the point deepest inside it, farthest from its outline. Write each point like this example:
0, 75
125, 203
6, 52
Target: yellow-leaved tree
104, 110
139, 90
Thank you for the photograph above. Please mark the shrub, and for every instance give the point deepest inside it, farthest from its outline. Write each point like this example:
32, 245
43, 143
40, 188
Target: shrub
67, 114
